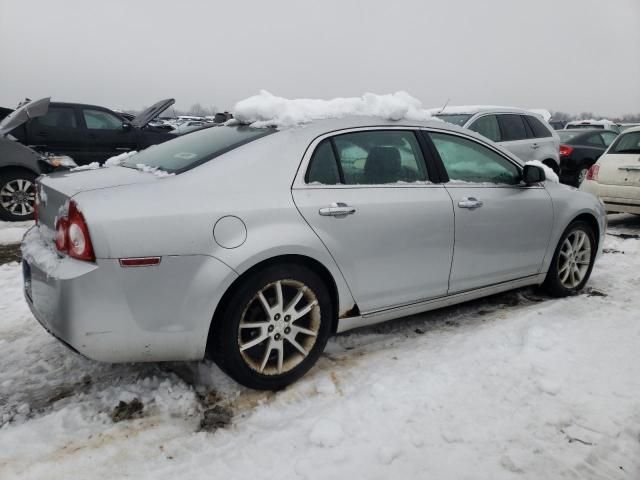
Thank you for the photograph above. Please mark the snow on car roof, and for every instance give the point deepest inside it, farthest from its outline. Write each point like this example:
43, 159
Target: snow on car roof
591, 121
268, 110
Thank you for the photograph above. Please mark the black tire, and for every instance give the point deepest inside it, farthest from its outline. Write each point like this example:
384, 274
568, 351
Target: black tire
226, 336
553, 283
10, 209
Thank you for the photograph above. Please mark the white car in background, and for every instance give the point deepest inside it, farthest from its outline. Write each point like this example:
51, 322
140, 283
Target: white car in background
524, 133
615, 177
608, 124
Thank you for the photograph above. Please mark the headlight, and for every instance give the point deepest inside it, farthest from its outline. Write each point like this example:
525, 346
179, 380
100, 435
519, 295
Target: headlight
59, 161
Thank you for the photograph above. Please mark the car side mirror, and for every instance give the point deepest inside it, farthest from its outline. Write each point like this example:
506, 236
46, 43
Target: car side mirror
533, 174
126, 126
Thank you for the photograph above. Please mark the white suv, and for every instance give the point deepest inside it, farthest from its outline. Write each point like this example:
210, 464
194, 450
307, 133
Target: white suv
522, 132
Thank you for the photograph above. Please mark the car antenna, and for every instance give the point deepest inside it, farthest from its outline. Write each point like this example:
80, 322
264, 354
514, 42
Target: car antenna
445, 105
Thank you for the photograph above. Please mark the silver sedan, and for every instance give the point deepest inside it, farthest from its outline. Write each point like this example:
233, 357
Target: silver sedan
253, 245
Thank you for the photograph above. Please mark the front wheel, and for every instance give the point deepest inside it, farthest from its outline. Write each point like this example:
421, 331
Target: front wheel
17, 195
572, 261
273, 328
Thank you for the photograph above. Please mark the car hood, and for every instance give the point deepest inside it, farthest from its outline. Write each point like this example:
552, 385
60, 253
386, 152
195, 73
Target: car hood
143, 118
33, 109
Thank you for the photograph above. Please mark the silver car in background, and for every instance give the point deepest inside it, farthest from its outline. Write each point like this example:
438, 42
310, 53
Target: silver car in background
253, 245
524, 133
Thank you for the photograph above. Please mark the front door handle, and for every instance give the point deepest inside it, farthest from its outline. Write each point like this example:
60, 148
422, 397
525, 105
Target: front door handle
470, 203
534, 145
337, 209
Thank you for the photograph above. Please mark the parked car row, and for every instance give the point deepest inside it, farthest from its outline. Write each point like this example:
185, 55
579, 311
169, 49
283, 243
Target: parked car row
45, 132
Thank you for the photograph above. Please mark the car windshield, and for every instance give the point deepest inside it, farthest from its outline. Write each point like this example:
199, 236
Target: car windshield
568, 135
456, 119
189, 151
626, 143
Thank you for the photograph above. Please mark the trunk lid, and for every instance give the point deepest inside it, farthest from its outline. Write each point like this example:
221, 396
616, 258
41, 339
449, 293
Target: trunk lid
26, 112
142, 119
55, 190
619, 169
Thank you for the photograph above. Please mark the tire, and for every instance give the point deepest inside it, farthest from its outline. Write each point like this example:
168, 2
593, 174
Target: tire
17, 195
256, 363
558, 282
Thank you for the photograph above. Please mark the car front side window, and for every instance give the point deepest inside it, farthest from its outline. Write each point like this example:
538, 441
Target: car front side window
608, 137
368, 158
468, 161
512, 127
101, 120
487, 126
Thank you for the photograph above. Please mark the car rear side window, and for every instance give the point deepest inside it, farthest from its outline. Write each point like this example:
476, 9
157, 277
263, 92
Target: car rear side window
537, 127
595, 140
324, 167
58, 117
186, 152
512, 127
468, 161
369, 158
487, 126
101, 120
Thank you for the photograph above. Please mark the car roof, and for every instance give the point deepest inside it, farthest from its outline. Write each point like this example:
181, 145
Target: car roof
473, 109
73, 104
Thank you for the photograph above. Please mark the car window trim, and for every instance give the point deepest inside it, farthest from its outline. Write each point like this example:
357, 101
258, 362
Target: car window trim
300, 179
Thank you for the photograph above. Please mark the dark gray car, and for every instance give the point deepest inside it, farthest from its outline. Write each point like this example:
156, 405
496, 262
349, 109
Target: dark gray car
20, 165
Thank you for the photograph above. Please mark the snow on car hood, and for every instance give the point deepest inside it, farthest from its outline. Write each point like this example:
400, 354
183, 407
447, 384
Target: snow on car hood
33, 109
268, 110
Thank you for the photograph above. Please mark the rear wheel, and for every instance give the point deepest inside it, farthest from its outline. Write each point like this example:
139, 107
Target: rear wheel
17, 195
572, 261
273, 328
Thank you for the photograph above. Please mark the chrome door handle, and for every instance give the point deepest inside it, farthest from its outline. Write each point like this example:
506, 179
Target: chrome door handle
470, 203
337, 209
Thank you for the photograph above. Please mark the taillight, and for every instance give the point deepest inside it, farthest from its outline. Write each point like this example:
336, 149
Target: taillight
565, 150
72, 235
592, 173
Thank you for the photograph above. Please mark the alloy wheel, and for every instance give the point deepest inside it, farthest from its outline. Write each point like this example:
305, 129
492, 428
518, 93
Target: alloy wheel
279, 327
574, 259
17, 196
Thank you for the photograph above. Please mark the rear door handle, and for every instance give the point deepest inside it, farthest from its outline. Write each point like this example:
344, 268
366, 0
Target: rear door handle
337, 209
534, 145
470, 203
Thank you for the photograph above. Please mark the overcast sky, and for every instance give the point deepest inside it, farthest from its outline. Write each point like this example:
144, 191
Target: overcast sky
569, 55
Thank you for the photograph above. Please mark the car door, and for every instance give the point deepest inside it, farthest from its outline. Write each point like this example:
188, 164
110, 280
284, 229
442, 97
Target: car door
56, 132
365, 194
542, 135
107, 134
515, 137
502, 228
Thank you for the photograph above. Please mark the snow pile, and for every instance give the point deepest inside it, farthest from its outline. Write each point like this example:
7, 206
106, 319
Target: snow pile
265, 109
119, 159
462, 109
90, 166
155, 170
38, 248
548, 172
12, 232
592, 121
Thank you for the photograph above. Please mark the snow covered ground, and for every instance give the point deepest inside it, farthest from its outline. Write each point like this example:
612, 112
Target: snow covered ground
12, 232
515, 386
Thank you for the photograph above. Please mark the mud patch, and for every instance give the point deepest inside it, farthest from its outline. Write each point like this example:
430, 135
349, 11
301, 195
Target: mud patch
625, 236
592, 292
127, 410
612, 250
10, 253
215, 417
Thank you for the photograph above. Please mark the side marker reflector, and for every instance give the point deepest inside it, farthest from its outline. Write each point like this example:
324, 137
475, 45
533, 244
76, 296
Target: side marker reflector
139, 261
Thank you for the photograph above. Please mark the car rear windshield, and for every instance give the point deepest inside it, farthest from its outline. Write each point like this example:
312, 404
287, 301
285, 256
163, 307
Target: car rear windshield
586, 125
456, 119
626, 143
188, 151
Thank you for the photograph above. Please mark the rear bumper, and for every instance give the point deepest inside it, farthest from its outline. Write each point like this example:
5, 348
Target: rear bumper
115, 314
616, 198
